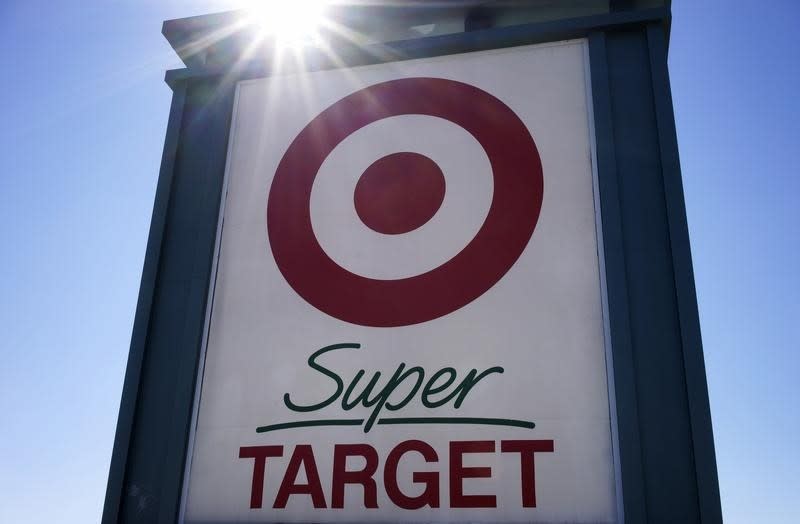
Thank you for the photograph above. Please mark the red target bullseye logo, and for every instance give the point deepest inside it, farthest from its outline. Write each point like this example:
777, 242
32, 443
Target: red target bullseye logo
399, 193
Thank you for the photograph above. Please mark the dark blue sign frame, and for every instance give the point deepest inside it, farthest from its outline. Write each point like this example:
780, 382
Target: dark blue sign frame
666, 448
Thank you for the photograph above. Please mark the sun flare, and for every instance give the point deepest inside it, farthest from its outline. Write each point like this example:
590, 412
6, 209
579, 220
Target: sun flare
291, 23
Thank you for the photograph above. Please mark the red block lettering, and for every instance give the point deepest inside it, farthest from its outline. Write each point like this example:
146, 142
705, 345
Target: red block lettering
458, 473
303, 455
260, 454
429, 478
364, 477
526, 450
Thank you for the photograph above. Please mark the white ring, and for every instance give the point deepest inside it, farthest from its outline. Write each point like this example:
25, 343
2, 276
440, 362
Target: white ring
468, 195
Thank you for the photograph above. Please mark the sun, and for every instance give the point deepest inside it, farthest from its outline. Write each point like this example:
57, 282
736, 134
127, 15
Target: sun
290, 22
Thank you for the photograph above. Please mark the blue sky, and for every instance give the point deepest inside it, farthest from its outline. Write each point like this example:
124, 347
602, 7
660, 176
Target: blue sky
84, 112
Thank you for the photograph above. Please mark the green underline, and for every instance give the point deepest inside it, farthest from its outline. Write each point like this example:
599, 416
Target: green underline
402, 420
459, 420
311, 423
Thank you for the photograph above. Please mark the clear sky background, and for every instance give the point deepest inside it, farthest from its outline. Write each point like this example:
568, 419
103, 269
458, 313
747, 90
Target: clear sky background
84, 110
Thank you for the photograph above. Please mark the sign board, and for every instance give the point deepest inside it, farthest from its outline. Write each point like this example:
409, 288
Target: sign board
406, 321
419, 278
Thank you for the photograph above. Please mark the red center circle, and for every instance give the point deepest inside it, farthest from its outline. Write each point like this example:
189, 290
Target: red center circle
513, 213
399, 193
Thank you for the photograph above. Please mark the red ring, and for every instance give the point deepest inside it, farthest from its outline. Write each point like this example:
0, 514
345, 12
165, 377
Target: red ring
514, 211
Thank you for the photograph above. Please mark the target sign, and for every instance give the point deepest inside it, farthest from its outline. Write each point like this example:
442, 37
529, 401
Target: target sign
406, 319
399, 193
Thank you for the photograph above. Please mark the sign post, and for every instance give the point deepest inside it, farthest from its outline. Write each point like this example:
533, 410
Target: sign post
433, 279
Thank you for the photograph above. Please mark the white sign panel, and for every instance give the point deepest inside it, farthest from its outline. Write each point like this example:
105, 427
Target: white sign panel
407, 320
